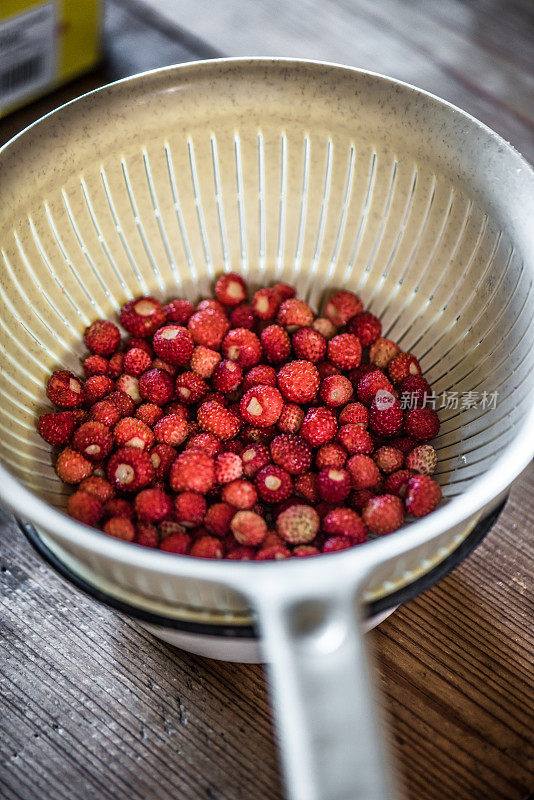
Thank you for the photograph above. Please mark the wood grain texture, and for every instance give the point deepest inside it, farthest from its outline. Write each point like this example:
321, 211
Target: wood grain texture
93, 707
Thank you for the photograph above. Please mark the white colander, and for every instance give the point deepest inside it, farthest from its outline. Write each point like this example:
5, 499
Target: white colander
325, 177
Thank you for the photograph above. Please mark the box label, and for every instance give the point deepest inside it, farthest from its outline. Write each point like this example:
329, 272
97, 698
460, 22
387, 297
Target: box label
27, 53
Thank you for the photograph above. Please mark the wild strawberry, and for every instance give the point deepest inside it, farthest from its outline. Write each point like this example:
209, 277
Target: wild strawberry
273, 483
241, 494
80, 415
158, 363
414, 391
383, 514
355, 439
206, 547
122, 402
422, 424
65, 390
193, 470
254, 457
115, 365
207, 442
363, 471
171, 430
93, 440
326, 369
266, 303
131, 432
208, 328
178, 543
342, 306
168, 527
261, 406
284, 290
382, 351
397, 482
299, 381
190, 509
102, 337
56, 428
130, 469
304, 550
218, 518
156, 386
173, 344
179, 311
354, 414
325, 327
230, 289
136, 361
228, 467
99, 487
242, 317
336, 390
242, 346
143, 316
72, 467
389, 459
333, 485
248, 528
162, 457
146, 535
276, 344
345, 522
370, 384
335, 543
404, 443
129, 385
212, 304
97, 387
298, 524
95, 365
138, 343
422, 495
309, 345
190, 388
118, 507
149, 413
345, 351
385, 416
204, 361
331, 455
259, 435
319, 426
120, 528
403, 365
291, 418
227, 377
152, 505
423, 459
84, 507
359, 498
261, 374
274, 553
294, 314
241, 553
306, 487
291, 452
366, 327
216, 419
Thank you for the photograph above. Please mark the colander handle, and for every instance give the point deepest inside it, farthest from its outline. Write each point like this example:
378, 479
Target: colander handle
323, 700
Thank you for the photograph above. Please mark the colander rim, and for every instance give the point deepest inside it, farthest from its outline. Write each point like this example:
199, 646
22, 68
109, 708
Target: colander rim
247, 576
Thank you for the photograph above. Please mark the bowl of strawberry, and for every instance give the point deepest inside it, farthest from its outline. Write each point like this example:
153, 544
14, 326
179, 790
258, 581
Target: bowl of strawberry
266, 367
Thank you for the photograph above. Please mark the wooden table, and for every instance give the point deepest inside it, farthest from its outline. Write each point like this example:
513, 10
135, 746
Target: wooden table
94, 707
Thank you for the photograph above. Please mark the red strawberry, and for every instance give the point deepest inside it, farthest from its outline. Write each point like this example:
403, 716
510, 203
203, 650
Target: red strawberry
131, 432
334, 485
422, 495
422, 424
355, 439
342, 306
179, 543
261, 406
397, 482
423, 459
345, 351
298, 524
248, 528
190, 388
208, 328
414, 391
218, 518
276, 343
291, 418
173, 344
335, 543
148, 413
227, 377
331, 455
294, 313
325, 327
179, 311
130, 469
291, 452
204, 360
142, 316
193, 470
345, 522
206, 547
190, 509
84, 507
299, 381
266, 303
216, 419
242, 317
98, 386
382, 351
65, 390
389, 459
93, 440
152, 505
366, 327
135, 362
231, 289
254, 457
385, 416
56, 429
403, 365
363, 471
383, 514
95, 365
309, 345
262, 374
156, 386
171, 430
242, 346
102, 337
120, 528
354, 414
319, 426
336, 390
370, 384
241, 494
161, 457
273, 483
306, 486
228, 467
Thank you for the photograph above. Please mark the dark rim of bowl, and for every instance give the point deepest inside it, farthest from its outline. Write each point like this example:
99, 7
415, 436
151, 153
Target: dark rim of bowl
385, 603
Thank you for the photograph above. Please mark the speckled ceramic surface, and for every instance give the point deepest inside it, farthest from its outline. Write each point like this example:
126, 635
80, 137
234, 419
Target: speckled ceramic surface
322, 176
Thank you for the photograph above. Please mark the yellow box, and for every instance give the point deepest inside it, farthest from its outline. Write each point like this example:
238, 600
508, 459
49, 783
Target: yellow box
44, 44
